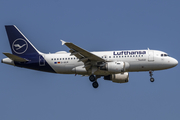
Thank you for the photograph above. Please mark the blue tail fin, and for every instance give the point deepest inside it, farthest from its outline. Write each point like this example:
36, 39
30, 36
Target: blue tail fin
19, 44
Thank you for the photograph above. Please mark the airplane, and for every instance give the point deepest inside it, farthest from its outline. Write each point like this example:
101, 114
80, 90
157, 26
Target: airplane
112, 65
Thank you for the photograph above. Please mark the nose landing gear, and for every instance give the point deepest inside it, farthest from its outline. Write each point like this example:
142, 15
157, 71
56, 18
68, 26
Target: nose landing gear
151, 74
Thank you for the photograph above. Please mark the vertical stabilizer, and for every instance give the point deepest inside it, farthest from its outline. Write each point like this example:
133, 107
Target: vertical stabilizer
19, 44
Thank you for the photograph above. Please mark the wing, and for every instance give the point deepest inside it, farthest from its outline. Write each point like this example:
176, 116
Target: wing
88, 58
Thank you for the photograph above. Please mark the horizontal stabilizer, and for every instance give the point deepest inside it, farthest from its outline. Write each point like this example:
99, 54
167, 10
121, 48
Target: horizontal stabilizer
15, 58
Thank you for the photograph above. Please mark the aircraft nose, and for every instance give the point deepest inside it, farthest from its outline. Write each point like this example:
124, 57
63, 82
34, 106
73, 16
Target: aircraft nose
174, 62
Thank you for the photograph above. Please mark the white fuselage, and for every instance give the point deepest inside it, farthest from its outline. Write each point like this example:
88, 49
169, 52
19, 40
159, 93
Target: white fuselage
64, 63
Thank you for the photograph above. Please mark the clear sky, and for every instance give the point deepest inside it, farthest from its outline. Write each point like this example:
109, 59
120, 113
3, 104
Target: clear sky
94, 25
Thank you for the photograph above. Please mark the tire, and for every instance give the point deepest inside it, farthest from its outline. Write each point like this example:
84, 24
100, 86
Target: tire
95, 84
92, 78
152, 79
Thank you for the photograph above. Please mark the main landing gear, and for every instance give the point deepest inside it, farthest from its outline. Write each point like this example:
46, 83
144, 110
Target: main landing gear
151, 74
93, 79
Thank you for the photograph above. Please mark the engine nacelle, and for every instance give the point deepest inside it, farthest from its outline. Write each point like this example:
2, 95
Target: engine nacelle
118, 78
115, 67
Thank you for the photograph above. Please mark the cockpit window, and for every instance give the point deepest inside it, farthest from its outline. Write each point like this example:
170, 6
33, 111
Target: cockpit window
164, 55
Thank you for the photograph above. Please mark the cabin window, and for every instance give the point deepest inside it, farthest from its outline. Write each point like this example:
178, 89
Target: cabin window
68, 58
57, 58
52, 59
109, 56
114, 56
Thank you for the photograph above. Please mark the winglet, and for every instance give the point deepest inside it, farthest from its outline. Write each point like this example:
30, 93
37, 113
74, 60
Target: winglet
63, 42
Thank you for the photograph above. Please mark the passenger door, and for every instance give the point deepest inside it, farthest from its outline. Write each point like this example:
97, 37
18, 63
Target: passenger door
41, 61
150, 55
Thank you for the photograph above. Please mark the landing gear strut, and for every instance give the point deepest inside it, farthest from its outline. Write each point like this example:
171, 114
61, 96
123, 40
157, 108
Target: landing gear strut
93, 79
151, 74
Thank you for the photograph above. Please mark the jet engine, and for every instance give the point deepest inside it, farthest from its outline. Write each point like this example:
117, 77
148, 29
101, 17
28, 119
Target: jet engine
115, 67
118, 78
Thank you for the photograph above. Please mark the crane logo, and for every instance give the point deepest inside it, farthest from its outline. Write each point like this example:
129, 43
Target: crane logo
20, 46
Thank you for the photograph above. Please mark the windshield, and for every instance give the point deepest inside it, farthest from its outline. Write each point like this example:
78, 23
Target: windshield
164, 55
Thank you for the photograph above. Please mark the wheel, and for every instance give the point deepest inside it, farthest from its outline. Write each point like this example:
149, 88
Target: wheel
95, 84
92, 78
152, 79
